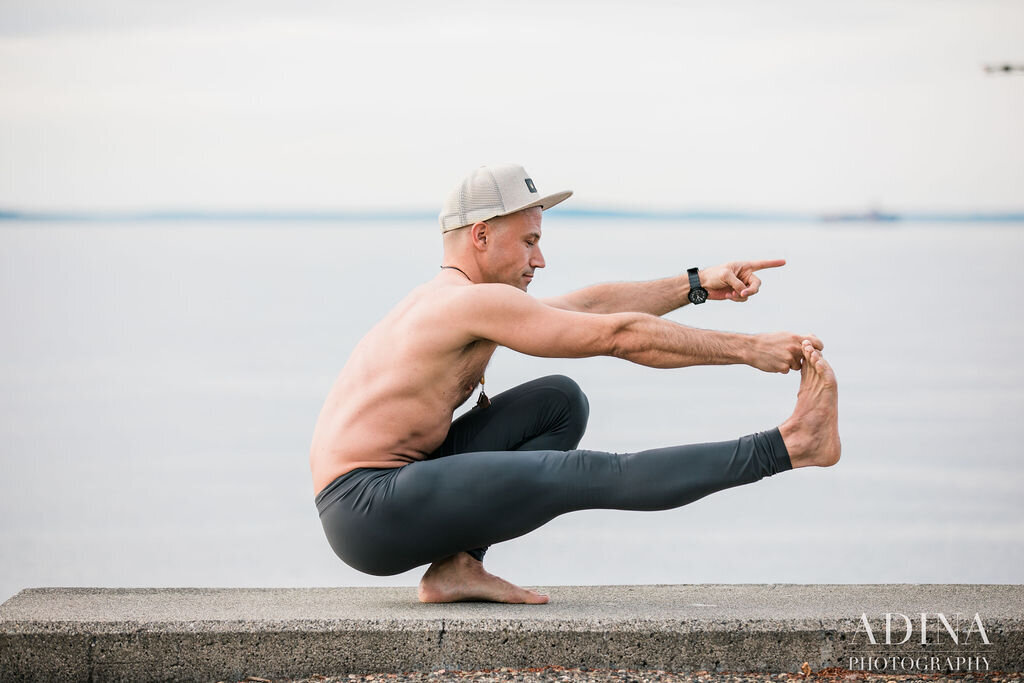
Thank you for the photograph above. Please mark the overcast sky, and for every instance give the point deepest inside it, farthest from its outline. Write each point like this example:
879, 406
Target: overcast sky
335, 105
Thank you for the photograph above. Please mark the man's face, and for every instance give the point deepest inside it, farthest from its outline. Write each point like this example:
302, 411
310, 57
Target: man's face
515, 253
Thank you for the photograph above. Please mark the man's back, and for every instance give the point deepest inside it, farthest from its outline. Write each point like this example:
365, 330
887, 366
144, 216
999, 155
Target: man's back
393, 401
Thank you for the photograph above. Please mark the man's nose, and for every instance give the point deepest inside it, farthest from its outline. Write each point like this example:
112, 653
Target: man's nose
538, 259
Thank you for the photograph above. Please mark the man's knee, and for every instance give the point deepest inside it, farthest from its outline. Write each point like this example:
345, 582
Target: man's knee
577, 407
567, 386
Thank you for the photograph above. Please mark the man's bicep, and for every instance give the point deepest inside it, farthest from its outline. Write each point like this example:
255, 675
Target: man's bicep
520, 322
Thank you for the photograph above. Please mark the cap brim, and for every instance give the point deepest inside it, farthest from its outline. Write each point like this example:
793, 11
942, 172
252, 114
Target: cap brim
544, 203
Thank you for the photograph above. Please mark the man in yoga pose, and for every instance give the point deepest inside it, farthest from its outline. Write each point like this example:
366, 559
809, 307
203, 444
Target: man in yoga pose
399, 484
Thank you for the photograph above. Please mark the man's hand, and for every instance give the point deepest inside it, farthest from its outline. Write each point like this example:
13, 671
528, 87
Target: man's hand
735, 281
780, 351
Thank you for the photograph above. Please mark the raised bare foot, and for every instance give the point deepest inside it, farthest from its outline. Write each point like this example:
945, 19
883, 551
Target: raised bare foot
462, 577
812, 432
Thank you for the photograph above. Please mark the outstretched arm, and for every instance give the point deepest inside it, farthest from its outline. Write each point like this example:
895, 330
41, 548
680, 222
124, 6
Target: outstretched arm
656, 297
735, 281
510, 317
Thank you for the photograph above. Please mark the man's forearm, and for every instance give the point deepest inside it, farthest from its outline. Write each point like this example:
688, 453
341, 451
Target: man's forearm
658, 343
656, 297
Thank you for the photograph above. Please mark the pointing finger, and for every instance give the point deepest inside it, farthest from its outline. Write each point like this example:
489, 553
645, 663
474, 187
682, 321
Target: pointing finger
774, 263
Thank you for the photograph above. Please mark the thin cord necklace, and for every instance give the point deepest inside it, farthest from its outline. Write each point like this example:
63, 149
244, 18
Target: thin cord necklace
482, 401
460, 270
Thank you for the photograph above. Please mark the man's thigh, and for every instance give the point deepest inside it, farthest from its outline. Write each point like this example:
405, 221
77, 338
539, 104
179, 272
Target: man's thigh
548, 413
469, 500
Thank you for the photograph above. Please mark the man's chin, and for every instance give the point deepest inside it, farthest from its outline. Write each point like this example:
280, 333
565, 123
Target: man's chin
520, 282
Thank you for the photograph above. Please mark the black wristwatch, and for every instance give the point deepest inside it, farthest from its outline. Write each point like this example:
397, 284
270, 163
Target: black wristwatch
698, 294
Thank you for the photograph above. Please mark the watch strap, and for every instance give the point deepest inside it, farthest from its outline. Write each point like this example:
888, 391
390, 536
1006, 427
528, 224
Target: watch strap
694, 277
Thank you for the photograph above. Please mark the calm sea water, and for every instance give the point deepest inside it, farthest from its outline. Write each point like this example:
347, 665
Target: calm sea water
160, 383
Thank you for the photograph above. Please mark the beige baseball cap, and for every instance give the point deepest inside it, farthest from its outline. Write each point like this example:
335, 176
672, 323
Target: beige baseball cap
490, 191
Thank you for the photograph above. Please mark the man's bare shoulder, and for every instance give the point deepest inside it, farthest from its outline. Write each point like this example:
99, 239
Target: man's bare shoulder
488, 298
448, 310
462, 308
486, 291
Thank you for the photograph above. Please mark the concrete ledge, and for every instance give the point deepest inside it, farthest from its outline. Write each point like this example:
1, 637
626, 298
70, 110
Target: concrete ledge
209, 634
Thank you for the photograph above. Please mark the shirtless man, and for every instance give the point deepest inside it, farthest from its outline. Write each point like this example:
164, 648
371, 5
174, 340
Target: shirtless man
400, 485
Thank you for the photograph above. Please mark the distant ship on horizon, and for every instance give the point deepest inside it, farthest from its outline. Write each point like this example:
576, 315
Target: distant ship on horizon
873, 215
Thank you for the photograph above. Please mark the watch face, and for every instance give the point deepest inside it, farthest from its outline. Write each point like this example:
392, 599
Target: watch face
698, 295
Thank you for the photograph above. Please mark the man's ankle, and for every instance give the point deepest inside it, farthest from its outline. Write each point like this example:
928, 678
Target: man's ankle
792, 438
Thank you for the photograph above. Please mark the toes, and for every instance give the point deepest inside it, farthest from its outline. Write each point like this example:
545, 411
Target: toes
825, 370
829, 373
536, 598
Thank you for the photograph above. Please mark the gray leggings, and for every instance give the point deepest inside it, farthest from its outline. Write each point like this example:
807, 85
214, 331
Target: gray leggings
506, 469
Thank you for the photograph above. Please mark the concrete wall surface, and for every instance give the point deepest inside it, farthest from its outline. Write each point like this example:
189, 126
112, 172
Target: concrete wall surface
210, 634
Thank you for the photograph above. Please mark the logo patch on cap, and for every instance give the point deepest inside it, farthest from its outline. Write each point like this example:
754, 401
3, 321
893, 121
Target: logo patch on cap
529, 184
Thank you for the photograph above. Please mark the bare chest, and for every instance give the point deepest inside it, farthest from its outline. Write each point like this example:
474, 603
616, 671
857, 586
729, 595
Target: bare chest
470, 367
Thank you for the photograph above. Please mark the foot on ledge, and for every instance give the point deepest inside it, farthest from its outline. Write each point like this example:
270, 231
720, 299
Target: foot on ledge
812, 432
462, 577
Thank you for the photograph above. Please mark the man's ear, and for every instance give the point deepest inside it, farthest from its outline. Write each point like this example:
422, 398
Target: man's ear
479, 232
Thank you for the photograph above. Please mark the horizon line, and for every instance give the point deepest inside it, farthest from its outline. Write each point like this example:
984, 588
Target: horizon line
268, 215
